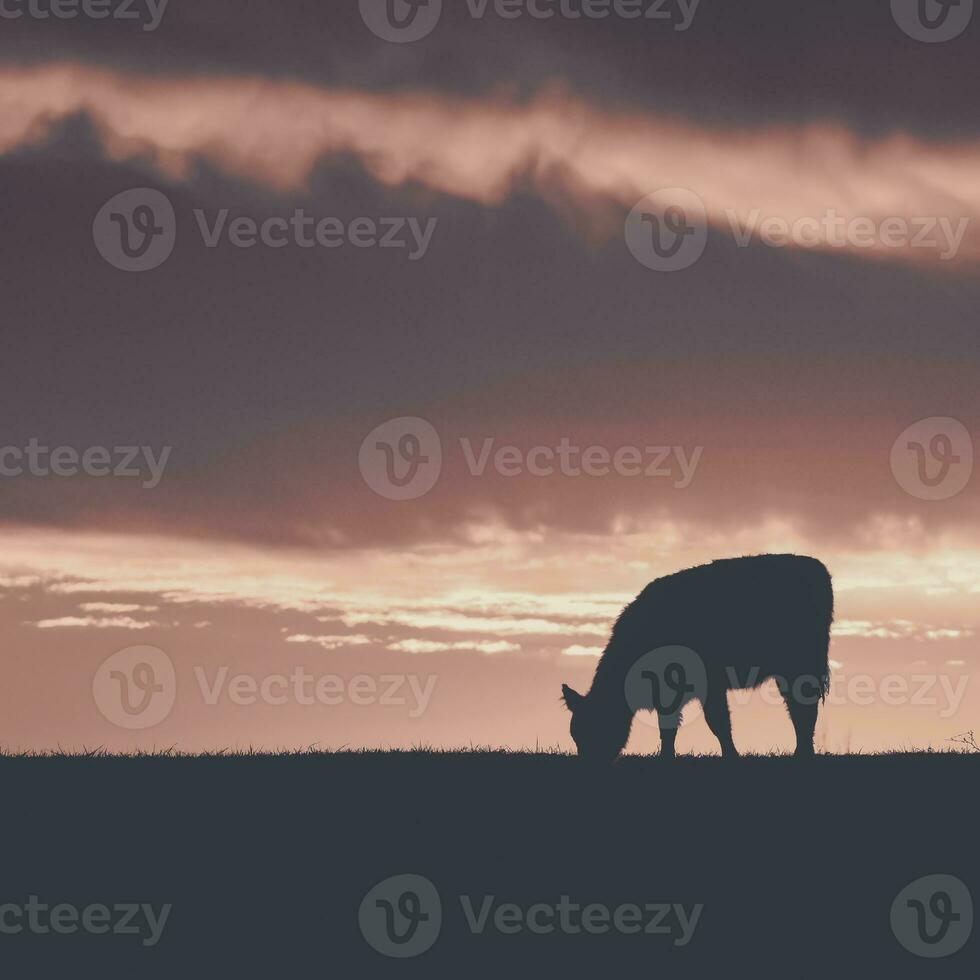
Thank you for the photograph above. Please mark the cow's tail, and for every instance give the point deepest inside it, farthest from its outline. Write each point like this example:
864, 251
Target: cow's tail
827, 621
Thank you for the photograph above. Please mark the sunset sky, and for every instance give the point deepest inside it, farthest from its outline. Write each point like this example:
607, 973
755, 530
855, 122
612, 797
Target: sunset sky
761, 399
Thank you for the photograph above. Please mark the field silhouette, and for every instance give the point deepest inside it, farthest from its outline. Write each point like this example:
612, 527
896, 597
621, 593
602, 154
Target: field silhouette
437, 863
265, 859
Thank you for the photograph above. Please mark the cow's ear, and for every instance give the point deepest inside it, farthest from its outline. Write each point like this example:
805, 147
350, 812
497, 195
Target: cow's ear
571, 698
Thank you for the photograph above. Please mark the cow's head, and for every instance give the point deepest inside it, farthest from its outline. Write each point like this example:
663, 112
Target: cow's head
598, 734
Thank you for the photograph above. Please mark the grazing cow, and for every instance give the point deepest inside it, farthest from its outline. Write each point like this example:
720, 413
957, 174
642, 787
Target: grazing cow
739, 622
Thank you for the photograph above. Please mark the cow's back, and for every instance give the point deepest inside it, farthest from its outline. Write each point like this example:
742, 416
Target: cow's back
767, 611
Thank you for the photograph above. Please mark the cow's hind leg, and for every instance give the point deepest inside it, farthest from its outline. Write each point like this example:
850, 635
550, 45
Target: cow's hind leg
802, 699
719, 721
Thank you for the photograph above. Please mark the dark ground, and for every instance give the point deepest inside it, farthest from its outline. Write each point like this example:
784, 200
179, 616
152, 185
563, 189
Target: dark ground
266, 859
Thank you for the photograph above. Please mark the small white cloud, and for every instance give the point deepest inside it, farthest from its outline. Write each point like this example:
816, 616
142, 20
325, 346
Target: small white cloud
439, 646
451, 621
116, 607
19, 581
93, 622
897, 629
947, 634
331, 642
580, 651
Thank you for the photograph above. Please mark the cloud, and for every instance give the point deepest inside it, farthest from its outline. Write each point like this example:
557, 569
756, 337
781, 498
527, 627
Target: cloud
571, 153
439, 646
116, 607
454, 622
14, 581
331, 642
898, 629
545, 597
579, 651
93, 622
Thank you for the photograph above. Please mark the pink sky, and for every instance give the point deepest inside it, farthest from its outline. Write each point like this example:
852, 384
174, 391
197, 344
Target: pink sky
769, 398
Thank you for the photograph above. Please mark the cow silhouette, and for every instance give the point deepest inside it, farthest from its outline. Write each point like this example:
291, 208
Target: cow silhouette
696, 634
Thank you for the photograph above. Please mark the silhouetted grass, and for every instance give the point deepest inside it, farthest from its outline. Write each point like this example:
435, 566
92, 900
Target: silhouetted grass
265, 856
470, 753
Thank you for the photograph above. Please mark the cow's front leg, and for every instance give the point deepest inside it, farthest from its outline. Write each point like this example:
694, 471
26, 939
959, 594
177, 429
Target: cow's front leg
720, 722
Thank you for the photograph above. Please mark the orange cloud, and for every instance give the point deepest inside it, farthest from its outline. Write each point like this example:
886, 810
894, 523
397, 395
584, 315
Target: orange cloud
275, 133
